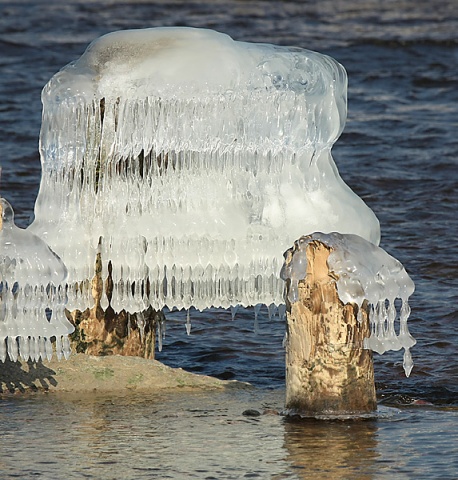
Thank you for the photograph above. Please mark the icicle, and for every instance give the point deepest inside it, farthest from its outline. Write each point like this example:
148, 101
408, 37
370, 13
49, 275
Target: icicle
160, 334
24, 348
284, 342
272, 310
59, 348
282, 311
140, 323
104, 303
3, 349
392, 338
42, 347
407, 362
12, 348
359, 315
66, 350
159, 337
163, 327
35, 350
405, 339
48, 349
129, 324
188, 323
234, 310
293, 295
257, 309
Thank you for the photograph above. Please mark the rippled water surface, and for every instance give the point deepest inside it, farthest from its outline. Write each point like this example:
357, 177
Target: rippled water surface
206, 435
398, 151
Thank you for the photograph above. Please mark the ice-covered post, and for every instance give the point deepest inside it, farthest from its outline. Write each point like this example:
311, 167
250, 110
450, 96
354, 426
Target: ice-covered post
327, 369
177, 167
340, 294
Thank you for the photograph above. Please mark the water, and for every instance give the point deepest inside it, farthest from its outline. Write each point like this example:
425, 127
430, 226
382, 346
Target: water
398, 152
206, 436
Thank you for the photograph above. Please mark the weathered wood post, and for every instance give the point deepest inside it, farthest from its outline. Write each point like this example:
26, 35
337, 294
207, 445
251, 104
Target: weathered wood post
102, 332
327, 370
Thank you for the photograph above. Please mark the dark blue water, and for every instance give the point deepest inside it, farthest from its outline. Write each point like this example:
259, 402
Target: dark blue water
399, 152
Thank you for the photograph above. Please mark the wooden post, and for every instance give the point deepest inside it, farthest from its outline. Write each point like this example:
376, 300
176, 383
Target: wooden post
327, 370
101, 332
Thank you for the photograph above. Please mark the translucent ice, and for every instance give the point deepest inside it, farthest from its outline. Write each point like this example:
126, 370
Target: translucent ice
191, 162
32, 294
365, 273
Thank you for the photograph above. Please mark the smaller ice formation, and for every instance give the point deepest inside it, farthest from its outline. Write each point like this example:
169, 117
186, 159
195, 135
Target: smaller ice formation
365, 272
32, 294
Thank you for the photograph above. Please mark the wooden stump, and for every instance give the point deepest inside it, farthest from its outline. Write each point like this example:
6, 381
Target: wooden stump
101, 332
327, 370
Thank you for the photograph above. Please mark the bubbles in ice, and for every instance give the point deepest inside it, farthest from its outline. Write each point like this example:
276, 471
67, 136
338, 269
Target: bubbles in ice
365, 273
32, 294
190, 162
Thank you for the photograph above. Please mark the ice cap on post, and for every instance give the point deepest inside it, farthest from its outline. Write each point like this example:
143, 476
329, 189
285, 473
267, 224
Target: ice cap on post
191, 162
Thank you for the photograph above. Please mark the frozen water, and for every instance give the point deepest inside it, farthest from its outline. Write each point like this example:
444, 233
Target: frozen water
188, 322
191, 162
365, 273
32, 294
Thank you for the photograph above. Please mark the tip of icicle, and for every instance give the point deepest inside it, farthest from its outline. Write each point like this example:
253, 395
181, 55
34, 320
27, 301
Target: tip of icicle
408, 362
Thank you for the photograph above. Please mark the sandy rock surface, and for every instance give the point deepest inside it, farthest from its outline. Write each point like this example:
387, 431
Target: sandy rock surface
83, 373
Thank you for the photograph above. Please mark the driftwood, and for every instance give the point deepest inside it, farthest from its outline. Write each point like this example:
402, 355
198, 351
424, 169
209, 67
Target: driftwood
327, 370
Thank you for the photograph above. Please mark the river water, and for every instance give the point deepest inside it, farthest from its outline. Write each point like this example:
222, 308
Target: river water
398, 152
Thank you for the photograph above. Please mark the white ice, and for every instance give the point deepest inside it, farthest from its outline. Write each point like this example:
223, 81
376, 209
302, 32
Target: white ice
32, 294
365, 272
197, 160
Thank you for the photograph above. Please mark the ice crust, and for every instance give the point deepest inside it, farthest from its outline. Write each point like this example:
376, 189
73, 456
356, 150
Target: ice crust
191, 162
365, 272
32, 295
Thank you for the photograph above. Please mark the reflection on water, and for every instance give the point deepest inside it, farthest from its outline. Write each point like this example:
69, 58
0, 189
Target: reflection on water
161, 436
334, 450
405, 444
206, 435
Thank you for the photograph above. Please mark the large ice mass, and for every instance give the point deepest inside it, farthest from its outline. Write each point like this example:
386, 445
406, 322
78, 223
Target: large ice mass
368, 277
32, 294
191, 162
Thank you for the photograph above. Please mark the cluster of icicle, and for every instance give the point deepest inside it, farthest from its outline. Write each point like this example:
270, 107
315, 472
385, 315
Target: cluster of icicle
365, 273
32, 295
190, 162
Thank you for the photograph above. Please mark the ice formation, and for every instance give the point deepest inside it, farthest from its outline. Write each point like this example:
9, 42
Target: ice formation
32, 294
365, 272
191, 162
